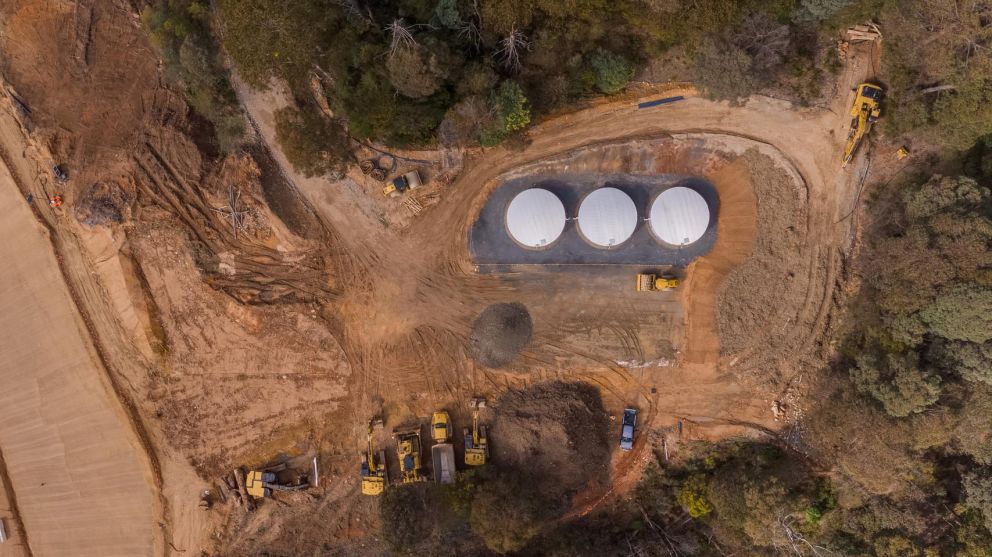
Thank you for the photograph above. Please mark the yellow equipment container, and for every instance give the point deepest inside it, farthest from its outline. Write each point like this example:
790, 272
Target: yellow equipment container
476, 443
255, 483
865, 111
409, 450
374, 477
654, 283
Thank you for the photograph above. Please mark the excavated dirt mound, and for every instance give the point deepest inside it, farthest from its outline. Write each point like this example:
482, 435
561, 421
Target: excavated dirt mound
556, 434
500, 333
757, 300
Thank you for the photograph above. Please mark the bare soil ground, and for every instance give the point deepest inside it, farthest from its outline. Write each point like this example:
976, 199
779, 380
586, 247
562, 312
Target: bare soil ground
232, 347
556, 434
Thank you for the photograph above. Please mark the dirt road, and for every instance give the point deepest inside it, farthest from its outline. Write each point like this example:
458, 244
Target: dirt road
82, 484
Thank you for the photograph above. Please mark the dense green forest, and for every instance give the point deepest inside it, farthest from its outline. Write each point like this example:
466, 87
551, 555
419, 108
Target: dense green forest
897, 455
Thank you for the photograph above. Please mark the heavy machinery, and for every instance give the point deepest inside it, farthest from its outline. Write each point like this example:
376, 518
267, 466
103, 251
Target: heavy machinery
261, 483
374, 477
865, 112
653, 283
476, 444
441, 426
409, 448
443, 452
409, 181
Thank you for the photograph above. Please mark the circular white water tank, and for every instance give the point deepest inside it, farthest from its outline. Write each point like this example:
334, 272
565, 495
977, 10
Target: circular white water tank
607, 217
535, 218
679, 216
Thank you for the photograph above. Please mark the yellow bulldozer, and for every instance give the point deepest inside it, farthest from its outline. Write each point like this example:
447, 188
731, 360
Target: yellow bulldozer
653, 283
864, 112
476, 443
374, 477
409, 450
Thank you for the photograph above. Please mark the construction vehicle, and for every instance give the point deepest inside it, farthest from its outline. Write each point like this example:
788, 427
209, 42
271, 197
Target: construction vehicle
902, 153
653, 283
409, 181
60, 174
55, 201
409, 449
865, 112
441, 426
374, 477
476, 444
627, 429
261, 483
443, 452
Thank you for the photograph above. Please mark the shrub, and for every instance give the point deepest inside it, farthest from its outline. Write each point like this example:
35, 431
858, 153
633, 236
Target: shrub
896, 381
510, 105
961, 312
404, 516
505, 514
977, 486
692, 496
613, 72
179, 31
724, 71
313, 144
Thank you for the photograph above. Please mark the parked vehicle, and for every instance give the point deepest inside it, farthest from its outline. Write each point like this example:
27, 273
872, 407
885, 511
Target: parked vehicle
627, 429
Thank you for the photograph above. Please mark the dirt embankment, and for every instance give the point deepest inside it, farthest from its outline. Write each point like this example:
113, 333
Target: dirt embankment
761, 296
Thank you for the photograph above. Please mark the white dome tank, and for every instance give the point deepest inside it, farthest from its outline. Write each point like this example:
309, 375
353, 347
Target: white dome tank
679, 216
535, 218
607, 217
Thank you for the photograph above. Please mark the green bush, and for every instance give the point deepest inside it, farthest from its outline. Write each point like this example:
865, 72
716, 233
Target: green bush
510, 105
313, 144
896, 381
403, 511
692, 496
613, 72
180, 32
961, 312
506, 514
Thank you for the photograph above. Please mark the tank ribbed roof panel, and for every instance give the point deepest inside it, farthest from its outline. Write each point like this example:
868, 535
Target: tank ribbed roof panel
679, 216
607, 217
535, 217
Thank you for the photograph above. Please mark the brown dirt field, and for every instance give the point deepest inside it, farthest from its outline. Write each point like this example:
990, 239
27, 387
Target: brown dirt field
232, 349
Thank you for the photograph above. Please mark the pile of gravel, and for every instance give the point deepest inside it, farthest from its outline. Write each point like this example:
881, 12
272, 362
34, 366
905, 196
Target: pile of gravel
500, 333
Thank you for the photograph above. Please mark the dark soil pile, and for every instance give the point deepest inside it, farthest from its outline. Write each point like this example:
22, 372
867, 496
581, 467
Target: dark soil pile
500, 333
557, 434
105, 203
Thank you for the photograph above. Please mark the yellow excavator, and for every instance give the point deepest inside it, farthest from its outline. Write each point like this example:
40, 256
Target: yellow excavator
865, 111
653, 283
476, 443
374, 477
408, 447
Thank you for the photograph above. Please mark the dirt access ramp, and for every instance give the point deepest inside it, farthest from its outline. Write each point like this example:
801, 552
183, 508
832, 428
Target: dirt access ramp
80, 482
